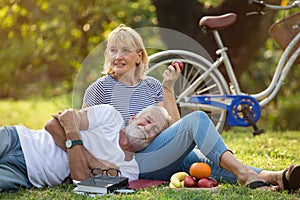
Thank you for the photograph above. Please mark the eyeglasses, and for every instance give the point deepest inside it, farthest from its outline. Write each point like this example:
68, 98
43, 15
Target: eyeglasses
120, 52
111, 172
99, 174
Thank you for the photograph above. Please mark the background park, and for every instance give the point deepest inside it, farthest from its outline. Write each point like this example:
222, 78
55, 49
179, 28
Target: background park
44, 45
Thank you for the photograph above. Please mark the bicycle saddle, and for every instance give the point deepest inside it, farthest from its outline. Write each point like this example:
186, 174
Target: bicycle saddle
218, 22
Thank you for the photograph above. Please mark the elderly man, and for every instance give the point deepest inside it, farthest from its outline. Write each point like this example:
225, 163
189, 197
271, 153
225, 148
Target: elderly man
94, 137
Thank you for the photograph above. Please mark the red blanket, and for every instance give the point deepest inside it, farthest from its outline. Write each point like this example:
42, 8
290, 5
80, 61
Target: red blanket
144, 183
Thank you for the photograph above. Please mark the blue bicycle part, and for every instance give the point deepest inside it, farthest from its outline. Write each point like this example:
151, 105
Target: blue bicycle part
242, 110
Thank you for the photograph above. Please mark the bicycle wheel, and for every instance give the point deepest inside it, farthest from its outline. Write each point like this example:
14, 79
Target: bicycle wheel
213, 83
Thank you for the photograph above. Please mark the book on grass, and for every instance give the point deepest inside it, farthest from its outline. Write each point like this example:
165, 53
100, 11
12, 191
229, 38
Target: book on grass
102, 184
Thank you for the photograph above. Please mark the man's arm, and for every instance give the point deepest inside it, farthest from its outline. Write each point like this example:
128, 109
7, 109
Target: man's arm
68, 123
54, 127
65, 125
57, 132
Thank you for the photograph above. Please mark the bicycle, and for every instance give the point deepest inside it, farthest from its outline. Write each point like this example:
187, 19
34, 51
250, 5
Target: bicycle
203, 87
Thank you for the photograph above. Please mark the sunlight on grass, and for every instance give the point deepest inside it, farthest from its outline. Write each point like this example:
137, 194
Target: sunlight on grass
32, 113
271, 150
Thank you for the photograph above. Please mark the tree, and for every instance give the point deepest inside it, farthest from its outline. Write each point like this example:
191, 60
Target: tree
43, 43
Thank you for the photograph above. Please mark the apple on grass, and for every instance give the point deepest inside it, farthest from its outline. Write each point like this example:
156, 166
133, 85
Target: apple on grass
205, 183
214, 182
189, 181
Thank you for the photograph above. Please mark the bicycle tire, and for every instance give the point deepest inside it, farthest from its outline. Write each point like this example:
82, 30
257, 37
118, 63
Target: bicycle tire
194, 65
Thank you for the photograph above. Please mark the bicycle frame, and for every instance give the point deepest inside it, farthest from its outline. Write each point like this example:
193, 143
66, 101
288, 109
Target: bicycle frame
284, 65
243, 109
238, 97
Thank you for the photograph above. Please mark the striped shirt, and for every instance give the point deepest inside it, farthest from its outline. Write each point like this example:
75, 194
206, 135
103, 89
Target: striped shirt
128, 100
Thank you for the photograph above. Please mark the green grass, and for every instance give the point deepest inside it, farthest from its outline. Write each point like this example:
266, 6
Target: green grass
272, 151
33, 112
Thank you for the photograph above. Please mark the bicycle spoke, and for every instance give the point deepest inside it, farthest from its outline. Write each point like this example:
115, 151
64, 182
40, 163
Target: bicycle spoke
204, 90
195, 79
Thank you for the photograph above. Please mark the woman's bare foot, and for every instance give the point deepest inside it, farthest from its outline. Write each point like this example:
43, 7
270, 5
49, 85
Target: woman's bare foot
245, 175
276, 177
251, 179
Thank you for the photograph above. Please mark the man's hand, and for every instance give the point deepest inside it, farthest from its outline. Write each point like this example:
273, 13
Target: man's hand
66, 124
81, 161
99, 163
69, 119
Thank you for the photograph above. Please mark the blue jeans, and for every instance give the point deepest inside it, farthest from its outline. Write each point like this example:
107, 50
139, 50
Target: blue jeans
174, 150
13, 172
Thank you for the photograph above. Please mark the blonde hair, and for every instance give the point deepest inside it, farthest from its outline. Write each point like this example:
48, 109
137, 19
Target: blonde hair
128, 36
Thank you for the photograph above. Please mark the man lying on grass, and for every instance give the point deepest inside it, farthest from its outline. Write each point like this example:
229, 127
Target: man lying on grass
74, 142
94, 137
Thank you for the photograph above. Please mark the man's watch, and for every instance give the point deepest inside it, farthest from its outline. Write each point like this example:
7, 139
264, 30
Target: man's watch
70, 143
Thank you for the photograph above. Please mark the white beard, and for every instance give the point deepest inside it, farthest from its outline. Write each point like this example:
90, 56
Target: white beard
137, 135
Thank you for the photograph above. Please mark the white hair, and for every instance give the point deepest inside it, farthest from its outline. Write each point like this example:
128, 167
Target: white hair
158, 108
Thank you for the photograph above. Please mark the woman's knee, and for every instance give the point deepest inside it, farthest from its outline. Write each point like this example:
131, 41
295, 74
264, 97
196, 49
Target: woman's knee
197, 115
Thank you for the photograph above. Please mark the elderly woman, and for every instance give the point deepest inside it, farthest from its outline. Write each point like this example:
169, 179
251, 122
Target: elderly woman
125, 86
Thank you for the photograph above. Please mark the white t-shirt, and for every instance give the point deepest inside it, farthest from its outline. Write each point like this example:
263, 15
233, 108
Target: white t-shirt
47, 164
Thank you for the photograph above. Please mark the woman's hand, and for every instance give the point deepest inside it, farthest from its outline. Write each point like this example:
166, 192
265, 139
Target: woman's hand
170, 76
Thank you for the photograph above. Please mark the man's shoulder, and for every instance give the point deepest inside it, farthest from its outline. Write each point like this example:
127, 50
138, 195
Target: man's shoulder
103, 107
104, 112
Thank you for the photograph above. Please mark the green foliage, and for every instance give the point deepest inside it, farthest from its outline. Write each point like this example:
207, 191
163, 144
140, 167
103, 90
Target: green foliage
44, 42
211, 2
287, 117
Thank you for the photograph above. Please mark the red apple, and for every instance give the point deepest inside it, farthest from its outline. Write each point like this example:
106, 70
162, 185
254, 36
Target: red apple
205, 183
214, 182
189, 181
180, 64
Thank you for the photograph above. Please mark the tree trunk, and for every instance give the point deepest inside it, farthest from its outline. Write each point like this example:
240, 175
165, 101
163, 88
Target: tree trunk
243, 39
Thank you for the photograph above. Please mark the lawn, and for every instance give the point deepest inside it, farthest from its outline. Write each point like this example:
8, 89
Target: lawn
272, 150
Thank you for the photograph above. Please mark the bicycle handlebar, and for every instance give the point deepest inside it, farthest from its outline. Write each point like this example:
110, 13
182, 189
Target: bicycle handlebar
261, 5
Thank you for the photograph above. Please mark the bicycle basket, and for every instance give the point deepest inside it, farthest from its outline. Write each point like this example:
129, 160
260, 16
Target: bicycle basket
285, 30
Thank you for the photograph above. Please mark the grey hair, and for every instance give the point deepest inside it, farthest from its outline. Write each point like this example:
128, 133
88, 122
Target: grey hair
158, 108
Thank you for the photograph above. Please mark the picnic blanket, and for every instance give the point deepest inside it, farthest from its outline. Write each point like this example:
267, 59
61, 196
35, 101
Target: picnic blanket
145, 183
